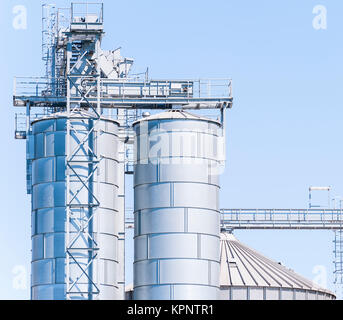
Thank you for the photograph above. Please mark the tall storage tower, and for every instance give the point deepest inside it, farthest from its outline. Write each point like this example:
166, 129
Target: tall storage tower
78, 123
176, 191
91, 258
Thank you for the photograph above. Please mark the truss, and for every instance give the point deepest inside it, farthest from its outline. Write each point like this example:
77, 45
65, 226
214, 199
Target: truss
82, 248
325, 219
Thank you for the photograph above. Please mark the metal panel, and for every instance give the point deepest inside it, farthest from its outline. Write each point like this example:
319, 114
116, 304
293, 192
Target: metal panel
160, 221
176, 209
49, 219
54, 245
287, 294
273, 294
189, 292
183, 292
239, 294
48, 292
166, 246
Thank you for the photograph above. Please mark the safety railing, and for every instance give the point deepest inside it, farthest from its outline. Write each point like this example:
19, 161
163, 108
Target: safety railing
123, 88
188, 88
87, 12
20, 126
39, 87
23, 121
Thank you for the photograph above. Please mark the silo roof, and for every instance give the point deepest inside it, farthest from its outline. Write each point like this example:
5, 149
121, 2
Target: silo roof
242, 266
176, 115
77, 114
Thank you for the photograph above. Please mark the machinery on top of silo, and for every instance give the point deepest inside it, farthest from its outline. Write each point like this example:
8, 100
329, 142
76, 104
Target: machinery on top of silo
78, 126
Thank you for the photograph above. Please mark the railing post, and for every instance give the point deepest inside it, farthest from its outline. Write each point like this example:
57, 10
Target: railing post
28, 117
199, 88
15, 86
72, 12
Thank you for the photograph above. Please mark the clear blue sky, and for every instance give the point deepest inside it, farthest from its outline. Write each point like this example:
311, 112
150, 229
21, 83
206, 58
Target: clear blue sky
284, 132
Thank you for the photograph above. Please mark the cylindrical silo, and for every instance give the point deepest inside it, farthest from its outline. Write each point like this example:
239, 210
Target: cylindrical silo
176, 191
95, 145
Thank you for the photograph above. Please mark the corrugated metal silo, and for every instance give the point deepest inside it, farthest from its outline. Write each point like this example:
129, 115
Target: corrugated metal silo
176, 191
247, 275
49, 221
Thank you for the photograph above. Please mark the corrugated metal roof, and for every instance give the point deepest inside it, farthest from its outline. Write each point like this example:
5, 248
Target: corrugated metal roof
176, 114
244, 267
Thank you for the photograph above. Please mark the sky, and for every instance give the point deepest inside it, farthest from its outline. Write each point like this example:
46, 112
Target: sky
284, 130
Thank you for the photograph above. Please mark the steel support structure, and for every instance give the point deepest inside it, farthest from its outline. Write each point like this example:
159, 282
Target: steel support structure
80, 76
81, 216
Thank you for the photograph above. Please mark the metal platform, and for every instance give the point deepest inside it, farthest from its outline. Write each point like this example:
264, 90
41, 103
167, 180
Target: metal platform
306, 219
127, 93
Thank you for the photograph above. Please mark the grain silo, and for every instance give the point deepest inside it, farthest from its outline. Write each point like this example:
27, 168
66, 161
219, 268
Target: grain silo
176, 193
247, 275
85, 248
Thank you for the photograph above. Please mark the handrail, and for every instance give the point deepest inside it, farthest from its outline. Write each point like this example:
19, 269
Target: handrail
282, 218
126, 87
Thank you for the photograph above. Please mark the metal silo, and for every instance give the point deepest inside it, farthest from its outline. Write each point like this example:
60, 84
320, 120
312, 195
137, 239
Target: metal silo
176, 191
95, 160
247, 275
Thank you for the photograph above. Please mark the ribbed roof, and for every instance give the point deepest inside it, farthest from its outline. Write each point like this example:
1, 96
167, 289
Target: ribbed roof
244, 267
175, 114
